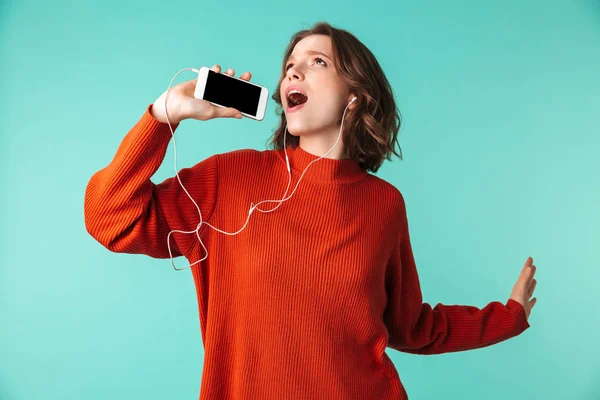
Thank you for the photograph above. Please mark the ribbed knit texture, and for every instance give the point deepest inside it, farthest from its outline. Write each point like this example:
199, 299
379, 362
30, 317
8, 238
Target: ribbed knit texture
303, 302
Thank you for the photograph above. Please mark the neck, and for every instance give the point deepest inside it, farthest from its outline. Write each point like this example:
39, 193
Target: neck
324, 170
320, 144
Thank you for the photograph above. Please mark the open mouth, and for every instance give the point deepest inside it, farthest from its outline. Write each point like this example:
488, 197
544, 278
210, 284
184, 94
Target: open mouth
296, 98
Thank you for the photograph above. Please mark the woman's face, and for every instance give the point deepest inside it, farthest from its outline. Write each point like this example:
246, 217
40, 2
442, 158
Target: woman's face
316, 77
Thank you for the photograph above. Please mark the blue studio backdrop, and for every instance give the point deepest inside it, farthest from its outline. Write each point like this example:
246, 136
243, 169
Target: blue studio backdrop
500, 105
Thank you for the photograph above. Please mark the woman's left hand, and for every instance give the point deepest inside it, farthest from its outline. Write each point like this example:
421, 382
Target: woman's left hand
523, 289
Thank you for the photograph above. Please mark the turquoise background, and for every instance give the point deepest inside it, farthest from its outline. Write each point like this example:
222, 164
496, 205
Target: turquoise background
500, 104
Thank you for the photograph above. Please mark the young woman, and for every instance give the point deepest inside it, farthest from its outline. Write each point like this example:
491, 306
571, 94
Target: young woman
302, 302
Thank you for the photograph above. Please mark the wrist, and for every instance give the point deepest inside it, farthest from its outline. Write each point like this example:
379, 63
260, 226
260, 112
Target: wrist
160, 115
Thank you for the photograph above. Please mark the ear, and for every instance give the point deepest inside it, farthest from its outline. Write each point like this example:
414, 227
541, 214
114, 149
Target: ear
354, 104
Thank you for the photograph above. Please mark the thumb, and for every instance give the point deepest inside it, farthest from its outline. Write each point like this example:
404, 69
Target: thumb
229, 112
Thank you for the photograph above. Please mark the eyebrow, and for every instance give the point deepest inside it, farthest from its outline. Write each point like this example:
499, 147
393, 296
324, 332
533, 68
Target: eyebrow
312, 53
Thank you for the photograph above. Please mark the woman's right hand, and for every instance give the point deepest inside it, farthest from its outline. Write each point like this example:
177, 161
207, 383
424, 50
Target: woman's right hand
183, 104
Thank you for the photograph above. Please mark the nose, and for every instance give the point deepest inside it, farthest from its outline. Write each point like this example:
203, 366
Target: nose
294, 73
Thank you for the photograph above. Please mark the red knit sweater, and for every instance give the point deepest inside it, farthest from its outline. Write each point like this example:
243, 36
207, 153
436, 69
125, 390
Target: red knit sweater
303, 302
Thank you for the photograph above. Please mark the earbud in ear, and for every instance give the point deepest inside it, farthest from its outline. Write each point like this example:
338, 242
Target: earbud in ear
352, 101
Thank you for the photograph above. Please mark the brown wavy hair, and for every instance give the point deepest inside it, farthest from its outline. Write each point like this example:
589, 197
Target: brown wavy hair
371, 129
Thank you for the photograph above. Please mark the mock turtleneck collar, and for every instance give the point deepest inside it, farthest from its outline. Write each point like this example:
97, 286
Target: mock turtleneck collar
325, 170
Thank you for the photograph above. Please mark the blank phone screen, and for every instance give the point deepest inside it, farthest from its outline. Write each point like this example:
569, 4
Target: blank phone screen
229, 92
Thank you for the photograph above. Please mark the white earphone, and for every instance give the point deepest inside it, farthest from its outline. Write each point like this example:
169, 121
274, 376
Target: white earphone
252, 205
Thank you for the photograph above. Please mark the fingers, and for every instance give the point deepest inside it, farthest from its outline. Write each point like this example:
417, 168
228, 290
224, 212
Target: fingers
531, 288
526, 283
529, 282
528, 263
532, 302
528, 271
231, 72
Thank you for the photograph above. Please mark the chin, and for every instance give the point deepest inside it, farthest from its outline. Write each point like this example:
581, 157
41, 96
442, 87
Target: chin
296, 128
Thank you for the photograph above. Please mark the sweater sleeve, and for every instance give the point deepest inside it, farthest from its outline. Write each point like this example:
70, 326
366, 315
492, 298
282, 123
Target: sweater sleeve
127, 213
415, 327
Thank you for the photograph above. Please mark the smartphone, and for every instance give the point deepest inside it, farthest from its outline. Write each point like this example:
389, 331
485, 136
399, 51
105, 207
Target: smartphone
226, 91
